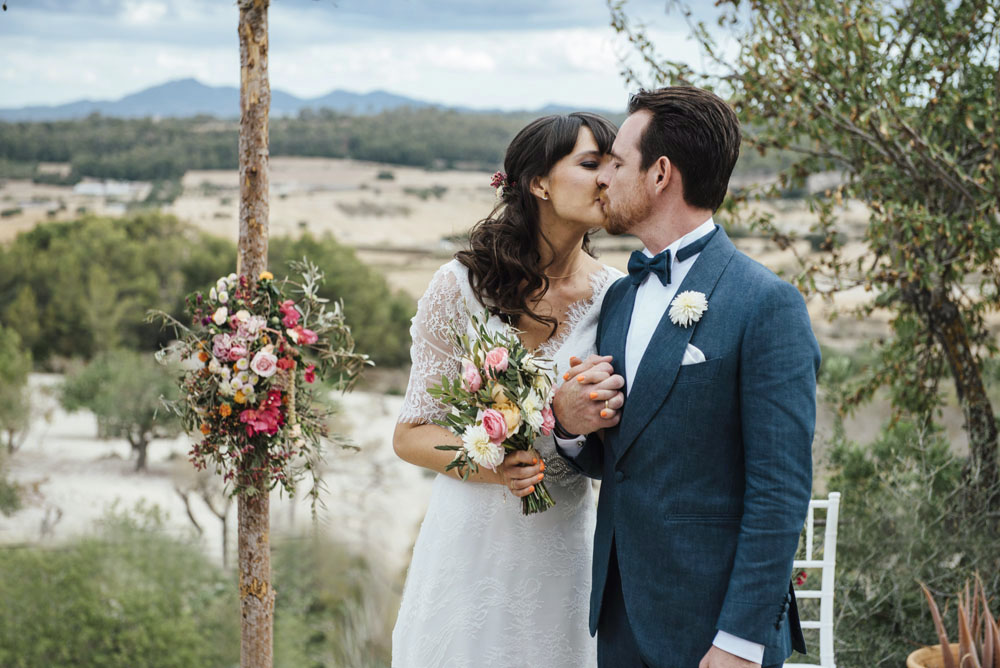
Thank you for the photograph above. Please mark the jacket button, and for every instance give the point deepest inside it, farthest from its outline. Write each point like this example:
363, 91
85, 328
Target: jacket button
619, 476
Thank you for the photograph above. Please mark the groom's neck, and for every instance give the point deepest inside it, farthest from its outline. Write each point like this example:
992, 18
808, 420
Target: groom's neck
668, 224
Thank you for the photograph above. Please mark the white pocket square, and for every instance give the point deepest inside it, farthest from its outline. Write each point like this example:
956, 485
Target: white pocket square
692, 355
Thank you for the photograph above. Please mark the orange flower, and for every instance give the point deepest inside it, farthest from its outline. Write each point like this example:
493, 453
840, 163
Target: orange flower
203, 356
266, 276
240, 398
205, 429
225, 410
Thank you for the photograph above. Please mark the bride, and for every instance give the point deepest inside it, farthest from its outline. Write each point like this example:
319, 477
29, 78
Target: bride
487, 586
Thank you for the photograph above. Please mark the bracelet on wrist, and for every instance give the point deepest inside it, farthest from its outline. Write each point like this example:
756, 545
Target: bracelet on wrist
562, 433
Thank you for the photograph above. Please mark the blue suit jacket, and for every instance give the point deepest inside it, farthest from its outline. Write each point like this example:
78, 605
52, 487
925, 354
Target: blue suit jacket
706, 480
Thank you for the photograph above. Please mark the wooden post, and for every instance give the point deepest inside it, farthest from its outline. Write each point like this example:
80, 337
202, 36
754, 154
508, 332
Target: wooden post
256, 593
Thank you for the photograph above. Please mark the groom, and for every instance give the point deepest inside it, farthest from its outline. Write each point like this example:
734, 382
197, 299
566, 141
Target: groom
706, 479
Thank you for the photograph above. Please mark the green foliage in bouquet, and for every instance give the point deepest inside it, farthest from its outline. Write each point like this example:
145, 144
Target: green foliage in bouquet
501, 403
250, 359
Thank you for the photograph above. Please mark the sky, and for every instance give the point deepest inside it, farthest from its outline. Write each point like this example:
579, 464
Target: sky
506, 54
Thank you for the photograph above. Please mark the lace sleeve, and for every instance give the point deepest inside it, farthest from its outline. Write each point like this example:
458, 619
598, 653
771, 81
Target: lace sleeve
433, 352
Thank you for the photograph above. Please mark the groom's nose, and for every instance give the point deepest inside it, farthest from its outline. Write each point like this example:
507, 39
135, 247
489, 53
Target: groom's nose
603, 177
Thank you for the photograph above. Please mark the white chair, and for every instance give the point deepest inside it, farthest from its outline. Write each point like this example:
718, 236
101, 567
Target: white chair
825, 592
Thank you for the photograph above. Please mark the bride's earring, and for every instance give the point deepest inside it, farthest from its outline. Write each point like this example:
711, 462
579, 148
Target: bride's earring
545, 197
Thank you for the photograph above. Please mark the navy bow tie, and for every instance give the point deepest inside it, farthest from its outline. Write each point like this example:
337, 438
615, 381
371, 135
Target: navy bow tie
640, 265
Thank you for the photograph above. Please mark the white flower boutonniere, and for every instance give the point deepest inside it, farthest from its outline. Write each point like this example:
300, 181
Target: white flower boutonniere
687, 308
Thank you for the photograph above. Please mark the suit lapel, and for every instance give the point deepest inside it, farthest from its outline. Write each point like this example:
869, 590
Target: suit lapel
616, 331
662, 359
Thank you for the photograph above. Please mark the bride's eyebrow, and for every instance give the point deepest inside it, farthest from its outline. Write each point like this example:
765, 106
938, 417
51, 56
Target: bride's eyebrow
588, 154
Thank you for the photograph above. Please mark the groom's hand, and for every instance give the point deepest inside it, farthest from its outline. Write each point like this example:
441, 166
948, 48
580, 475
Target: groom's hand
590, 399
720, 658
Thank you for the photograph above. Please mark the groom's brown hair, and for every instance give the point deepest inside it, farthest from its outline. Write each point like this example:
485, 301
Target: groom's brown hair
700, 135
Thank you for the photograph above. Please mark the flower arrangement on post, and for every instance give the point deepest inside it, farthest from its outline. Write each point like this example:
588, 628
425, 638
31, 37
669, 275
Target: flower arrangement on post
502, 402
250, 361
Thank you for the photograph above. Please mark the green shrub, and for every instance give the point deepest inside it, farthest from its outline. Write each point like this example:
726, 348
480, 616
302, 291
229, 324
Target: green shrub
331, 609
128, 596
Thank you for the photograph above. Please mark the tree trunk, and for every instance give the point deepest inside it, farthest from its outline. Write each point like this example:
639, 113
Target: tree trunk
255, 105
256, 593
980, 424
140, 446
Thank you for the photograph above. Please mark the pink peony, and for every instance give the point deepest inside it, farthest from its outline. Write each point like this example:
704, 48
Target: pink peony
221, 343
548, 421
264, 364
291, 313
236, 352
310, 373
267, 419
303, 336
496, 361
471, 380
495, 425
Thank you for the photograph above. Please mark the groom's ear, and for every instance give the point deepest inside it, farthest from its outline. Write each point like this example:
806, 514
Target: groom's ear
661, 171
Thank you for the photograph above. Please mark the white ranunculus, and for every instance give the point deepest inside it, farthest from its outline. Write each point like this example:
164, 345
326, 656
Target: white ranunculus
531, 410
220, 285
481, 449
242, 364
220, 316
231, 279
243, 315
226, 372
687, 308
235, 383
213, 294
223, 297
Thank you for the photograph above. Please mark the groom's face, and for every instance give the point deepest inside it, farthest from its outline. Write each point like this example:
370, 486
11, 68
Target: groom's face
626, 197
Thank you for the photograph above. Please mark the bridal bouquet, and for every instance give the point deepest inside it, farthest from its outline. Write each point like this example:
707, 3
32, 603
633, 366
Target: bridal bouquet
502, 402
248, 364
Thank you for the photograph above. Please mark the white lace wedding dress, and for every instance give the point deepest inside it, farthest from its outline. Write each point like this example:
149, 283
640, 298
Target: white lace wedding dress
488, 587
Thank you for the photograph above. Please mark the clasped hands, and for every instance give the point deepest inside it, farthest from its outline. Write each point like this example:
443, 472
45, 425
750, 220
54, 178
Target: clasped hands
590, 399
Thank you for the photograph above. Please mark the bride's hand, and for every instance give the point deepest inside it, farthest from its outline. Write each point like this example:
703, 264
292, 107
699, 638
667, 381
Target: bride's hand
521, 471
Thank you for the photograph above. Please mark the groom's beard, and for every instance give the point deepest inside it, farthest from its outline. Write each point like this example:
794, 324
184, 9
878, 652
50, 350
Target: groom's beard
627, 210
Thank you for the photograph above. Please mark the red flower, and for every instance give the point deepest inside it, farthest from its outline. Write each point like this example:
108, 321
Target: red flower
311, 373
286, 363
267, 419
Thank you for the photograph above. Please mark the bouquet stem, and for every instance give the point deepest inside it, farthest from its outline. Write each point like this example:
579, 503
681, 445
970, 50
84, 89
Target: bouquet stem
537, 501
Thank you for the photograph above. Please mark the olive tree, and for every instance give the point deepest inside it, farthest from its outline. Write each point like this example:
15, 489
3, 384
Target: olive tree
900, 97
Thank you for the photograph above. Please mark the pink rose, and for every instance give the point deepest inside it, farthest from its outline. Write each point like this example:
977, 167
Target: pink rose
307, 337
310, 373
496, 360
495, 425
264, 364
471, 380
548, 421
236, 352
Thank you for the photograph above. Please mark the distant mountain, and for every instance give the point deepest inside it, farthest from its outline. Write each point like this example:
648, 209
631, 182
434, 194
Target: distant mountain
189, 97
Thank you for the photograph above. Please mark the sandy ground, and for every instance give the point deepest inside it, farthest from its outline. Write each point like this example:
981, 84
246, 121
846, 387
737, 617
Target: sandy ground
374, 501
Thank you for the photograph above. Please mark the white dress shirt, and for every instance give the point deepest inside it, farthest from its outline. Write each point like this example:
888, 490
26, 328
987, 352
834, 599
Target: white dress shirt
652, 299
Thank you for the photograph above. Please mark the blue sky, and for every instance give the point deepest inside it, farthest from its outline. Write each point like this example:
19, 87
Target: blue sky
511, 54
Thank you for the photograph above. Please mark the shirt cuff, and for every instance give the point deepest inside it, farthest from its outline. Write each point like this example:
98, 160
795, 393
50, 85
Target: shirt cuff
744, 649
571, 447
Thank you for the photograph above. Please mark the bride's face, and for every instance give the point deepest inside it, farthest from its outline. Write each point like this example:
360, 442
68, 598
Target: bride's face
571, 184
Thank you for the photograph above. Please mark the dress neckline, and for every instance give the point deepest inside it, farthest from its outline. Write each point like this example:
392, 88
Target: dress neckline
575, 313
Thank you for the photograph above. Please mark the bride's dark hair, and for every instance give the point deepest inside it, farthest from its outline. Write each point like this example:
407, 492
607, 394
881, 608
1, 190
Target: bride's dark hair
503, 259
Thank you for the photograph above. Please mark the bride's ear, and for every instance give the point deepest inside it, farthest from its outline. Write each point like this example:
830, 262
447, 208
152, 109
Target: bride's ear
539, 187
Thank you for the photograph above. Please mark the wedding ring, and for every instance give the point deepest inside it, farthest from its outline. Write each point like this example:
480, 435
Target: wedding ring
606, 404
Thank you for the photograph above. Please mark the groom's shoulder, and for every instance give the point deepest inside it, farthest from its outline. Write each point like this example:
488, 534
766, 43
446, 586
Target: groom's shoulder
758, 281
